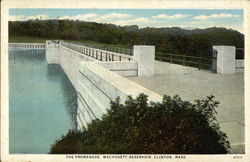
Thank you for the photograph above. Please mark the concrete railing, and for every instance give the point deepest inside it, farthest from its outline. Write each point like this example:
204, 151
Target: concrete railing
28, 45
98, 54
144, 58
123, 68
52, 43
239, 66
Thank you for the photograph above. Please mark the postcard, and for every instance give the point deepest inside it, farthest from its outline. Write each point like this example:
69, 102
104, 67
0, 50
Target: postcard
124, 80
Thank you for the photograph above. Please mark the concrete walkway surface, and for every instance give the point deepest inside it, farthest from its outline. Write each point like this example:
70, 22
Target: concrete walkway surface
191, 84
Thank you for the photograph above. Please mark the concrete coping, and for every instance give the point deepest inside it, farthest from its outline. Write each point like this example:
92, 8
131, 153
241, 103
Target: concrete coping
124, 85
222, 46
144, 45
117, 62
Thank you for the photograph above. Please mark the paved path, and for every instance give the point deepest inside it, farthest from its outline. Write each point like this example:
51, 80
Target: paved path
191, 83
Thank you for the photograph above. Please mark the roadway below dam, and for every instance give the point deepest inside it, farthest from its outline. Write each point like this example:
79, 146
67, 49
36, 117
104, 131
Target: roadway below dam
191, 84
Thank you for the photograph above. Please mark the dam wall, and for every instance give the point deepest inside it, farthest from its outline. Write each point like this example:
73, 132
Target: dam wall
98, 86
97, 82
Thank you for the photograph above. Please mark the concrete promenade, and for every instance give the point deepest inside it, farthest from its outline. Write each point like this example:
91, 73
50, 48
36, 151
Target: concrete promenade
190, 84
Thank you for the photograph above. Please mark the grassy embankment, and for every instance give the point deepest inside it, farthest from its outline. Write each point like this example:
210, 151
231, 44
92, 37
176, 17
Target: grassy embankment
26, 39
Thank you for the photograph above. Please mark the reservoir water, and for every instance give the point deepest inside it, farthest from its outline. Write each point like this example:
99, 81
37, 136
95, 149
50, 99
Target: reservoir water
42, 102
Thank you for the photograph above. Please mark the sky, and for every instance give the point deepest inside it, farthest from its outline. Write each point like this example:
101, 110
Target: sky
184, 18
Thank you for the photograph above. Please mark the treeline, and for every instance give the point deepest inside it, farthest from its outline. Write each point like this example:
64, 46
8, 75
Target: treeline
170, 40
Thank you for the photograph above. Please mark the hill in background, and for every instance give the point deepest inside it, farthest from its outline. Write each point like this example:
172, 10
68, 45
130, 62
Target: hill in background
169, 40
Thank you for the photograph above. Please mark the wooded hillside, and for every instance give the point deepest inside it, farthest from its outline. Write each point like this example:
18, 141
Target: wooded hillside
170, 40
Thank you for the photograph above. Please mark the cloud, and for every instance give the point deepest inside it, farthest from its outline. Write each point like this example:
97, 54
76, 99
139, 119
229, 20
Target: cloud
215, 16
114, 16
164, 16
24, 18
16, 17
43, 17
79, 17
209, 24
97, 18
140, 20
234, 27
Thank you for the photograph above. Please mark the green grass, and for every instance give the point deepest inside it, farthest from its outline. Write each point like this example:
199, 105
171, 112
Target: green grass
26, 39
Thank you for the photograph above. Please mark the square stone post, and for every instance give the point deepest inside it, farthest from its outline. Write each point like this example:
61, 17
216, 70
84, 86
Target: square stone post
225, 59
47, 43
145, 57
52, 53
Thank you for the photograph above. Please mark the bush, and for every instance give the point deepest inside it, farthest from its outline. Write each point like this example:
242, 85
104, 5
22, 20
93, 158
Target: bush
138, 127
67, 144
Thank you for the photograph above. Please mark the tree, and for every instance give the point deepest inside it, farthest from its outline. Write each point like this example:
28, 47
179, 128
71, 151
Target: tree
138, 127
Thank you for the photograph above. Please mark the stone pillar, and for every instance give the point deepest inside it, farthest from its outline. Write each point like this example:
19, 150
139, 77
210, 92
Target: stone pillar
52, 53
225, 59
47, 43
145, 57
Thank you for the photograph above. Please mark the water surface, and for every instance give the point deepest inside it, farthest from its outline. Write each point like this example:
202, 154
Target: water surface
42, 102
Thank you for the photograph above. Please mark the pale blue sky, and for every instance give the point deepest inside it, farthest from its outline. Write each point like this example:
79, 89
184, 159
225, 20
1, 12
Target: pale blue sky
185, 18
